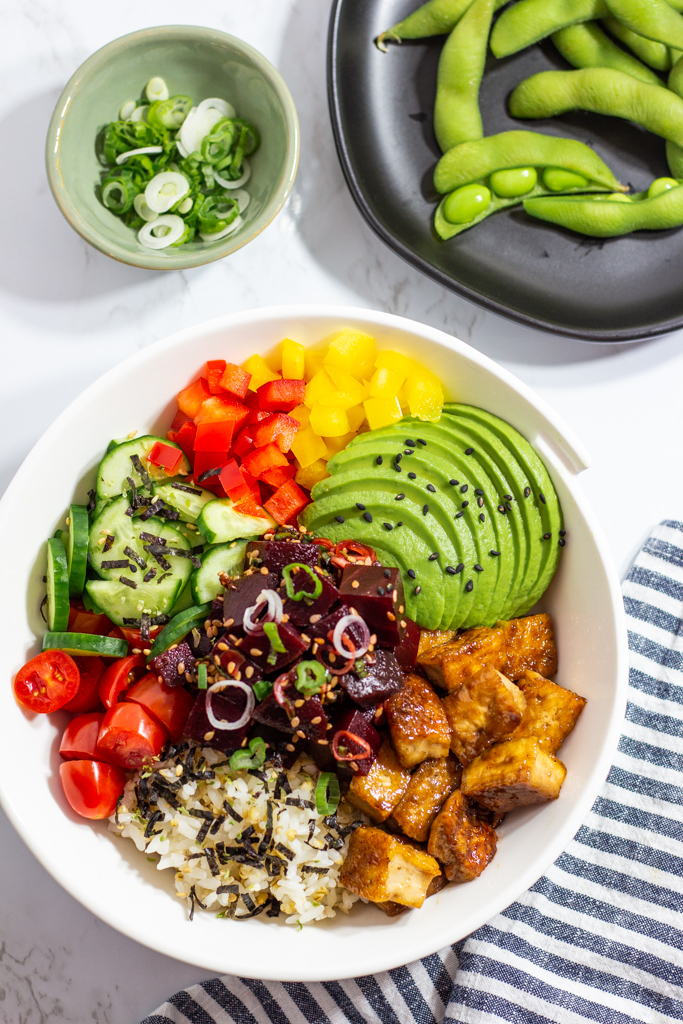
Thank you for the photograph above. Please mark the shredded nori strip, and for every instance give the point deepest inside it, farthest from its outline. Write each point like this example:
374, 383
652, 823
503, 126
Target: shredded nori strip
258, 774
209, 473
130, 511
115, 563
274, 908
151, 538
206, 815
334, 842
212, 860
141, 471
227, 888
217, 824
135, 557
42, 605
311, 830
108, 543
203, 832
254, 913
189, 490
268, 834
149, 576
144, 627
178, 552
308, 869
157, 816
194, 898
92, 501
248, 902
129, 583
151, 510
282, 784
297, 801
284, 850
166, 513
231, 812
273, 866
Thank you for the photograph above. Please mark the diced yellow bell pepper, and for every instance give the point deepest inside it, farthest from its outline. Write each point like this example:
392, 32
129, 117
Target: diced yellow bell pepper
352, 351
336, 444
312, 474
424, 393
390, 360
356, 417
259, 370
313, 361
328, 420
403, 399
301, 414
348, 391
320, 388
308, 447
381, 412
385, 383
292, 360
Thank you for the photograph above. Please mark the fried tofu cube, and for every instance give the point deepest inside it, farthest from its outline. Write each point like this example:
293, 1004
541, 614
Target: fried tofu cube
462, 843
392, 909
551, 712
530, 644
451, 664
434, 638
430, 785
377, 793
485, 709
417, 722
381, 867
515, 773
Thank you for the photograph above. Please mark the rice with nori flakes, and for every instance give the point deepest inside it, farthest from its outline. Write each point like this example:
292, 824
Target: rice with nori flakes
240, 842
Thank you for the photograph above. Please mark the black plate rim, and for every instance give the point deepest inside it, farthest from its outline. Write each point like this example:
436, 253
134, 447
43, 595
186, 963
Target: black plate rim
615, 336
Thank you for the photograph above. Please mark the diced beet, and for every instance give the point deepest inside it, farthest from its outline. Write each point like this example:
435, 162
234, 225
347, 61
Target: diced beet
406, 652
224, 705
272, 714
322, 755
243, 594
377, 596
251, 672
356, 722
324, 628
257, 649
300, 612
312, 718
384, 677
166, 664
276, 554
202, 647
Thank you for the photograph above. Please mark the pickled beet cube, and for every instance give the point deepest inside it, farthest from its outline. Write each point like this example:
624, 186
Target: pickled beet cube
228, 705
232, 661
276, 554
166, 664
243, 594
324, 628
377, 596
406, 652
384, 677
300, 612
258, 649
272, 714
202, 646
356, 723
312, 718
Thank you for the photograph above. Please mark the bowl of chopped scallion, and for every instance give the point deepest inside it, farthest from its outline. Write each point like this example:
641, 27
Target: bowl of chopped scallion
173, 147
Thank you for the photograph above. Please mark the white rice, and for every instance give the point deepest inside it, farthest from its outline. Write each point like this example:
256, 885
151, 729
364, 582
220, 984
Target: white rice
303, 894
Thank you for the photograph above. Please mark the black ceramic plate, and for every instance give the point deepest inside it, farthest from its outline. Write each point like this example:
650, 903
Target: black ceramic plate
381, 104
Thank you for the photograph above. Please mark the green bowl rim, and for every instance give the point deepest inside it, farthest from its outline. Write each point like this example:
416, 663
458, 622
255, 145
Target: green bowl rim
180, 260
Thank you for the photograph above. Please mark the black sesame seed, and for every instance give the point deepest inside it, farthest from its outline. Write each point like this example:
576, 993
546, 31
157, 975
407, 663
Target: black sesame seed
469, 586
541, 497
501, 508
399, 523
411, 476
546, 536
379, 460
411, 573
450, 570
399, 497
340, 519
563, 533
478, 490
464, 504
562, 542
508, 506
508, 497
360, 506
480, 502
432, 488
454, 483
409, 443
397, 467
398, 457
425, 510
463, 488
460, 566
494, 553
527, 492
482, 517
387, 526
434, 555
468, 451
408, 451
387, 572
420, 441
367, 517
458, 515
478, 568
380, 591
417, 590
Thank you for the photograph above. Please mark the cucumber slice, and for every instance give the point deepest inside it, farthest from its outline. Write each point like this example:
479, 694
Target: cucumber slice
218, 522
184, 599
57, 586
114, 443
184, 498
86, 643
89, 604
121, 602
126, 460
222, 558
77, 548
178, 627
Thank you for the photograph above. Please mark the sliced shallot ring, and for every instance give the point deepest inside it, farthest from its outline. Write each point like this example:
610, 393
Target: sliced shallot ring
224, 684
278, 692
274, 613
365, 752
147, 234
207, 236
238, 182
216, 103
122, 157
346, 667
340, 629
166, 189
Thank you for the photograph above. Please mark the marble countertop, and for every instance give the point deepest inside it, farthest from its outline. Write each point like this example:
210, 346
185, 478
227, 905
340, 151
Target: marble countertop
68, 313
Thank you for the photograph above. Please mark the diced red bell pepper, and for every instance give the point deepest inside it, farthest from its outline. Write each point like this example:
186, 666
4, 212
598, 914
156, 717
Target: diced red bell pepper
214, 372
235, 380
231, 476
278, 475
286, 503
281, 395
248, 507
179, 419
185, 438
277, 427
262, 459
190, 398
219, 408
248, 488
165, 455
203, 461
244, 443
256, 415
214, 437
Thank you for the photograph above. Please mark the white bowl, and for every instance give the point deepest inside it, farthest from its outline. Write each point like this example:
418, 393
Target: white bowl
107, 874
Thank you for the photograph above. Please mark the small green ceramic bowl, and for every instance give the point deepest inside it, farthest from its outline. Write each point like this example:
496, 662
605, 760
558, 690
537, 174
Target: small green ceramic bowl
198, 62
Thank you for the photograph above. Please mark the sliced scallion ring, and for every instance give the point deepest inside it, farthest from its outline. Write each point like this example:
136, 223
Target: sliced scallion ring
212, 236
161, 232
165, 190
122, 157
156, 89
242, 180
243, 199
126, 110
140, 113
327, 793
118, 195
142, 209
215, 103
185, 206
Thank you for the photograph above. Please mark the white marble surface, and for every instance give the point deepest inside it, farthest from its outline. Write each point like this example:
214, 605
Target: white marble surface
68, 313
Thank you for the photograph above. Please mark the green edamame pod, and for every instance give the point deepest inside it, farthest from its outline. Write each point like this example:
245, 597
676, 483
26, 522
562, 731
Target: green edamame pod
461, 66
474, 161
655, 55
654, 19
605, 219
530, 20
602, 91
435, 18
587, 46
675, 79
674, 158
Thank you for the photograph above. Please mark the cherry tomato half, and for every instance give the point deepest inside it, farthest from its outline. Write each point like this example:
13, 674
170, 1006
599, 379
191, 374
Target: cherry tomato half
119, 677
133, 638
92, 788
87, 697
129, 736
170, 705
47, 682
79, 739
83, 621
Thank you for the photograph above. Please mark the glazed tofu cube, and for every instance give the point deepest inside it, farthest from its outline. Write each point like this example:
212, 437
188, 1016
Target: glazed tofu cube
451, 664
377, 793
434, 638
530, 646
551, 711
513, 774
483, 711
462, 843
382, 867
430, 785
392, 909
417, 722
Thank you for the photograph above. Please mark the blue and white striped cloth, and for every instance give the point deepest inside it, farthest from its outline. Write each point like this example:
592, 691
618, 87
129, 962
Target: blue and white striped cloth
600, 937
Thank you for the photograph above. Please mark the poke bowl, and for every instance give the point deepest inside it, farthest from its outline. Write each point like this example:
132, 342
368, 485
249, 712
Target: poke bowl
122, 886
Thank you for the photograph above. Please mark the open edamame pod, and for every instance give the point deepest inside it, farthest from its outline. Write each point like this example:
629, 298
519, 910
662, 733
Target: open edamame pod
456, 108
586, 46
526, 22
602, 218
655, 55
674, 152
654, 19
602, 91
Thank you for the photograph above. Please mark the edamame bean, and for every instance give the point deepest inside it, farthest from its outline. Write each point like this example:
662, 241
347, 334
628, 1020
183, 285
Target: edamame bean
587, 46
463, 205
613, 197
461, 66
655, 55
654, 19
530, 20
602, 91
517, 181
556, 179
660, 185
601, 219
435, 18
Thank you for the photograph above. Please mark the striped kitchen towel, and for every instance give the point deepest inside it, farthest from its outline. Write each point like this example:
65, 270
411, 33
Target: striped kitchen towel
600, 936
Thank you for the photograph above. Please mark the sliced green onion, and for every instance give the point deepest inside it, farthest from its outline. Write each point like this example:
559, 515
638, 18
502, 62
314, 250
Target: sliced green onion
185, 206
201, 676
276, 644
238, 182
140, 113
162, 232
127, 109
170, 113
293, 595
224, 108
122, 157
327, 793
242, 198
165, 190
118, 194
142, 209
311, 676
156, 89
263, 689
253, 757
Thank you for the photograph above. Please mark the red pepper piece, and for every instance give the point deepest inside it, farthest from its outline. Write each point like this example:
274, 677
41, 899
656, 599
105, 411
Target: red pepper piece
279, 428
287, 501
213, 373
214, 437
208, 460
231, 476
244, 443
190, 398
166, 456
278, 475
248, 507
179, 419
262, 459
219, 409
249, 488
235, 380
185, 438
281, 395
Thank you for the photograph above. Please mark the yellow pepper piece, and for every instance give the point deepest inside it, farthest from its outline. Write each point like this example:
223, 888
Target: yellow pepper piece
381, 412
356, 417
395, 361
348, 392
385, 383
313, 361
424, 393
308, 447
352, 351
336, 444
259, 370
320, 388
328, 420
312, 474
292, 360
301, 414
403, 399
